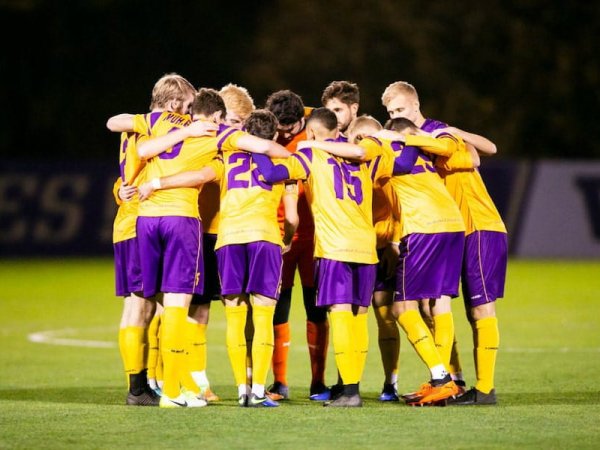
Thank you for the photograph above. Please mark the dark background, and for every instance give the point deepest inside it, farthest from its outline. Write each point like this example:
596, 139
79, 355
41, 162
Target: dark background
525, 74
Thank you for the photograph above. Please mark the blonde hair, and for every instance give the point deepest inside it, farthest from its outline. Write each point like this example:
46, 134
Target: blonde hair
171, 87
238, 100
398, 87
362, 126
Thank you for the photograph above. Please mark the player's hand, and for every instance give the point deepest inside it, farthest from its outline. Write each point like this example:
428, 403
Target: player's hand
389, 259
286, 248
145, 190
126, 192
201, 128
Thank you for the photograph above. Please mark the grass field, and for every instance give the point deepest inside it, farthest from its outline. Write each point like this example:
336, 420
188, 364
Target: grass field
54, 395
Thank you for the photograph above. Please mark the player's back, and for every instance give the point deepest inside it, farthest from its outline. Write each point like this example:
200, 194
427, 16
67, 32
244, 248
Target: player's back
341, 204
426, 205
248, 211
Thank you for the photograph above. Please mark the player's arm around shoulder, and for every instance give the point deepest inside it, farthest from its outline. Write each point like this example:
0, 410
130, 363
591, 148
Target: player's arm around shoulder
482, 144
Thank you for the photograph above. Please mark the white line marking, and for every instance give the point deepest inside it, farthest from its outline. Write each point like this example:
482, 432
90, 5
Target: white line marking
57, 337
68, 337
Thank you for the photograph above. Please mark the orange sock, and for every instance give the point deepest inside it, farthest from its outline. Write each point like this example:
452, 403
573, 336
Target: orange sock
317, 337
280, 352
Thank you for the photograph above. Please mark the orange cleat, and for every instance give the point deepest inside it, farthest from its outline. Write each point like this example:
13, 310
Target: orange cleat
437, 394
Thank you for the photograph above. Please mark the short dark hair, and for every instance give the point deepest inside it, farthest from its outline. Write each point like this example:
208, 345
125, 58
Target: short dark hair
286, 105
345, 91
207, 102
325, 117
261, 123
400, 124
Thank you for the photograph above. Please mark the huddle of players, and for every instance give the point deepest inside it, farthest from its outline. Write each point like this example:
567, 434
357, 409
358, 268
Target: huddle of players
406, 196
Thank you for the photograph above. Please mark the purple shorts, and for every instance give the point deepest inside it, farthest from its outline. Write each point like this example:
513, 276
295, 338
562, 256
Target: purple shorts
212, 288
381, 282
429, 266
128, 273
171, 254
484, 267
344, 283
252, 268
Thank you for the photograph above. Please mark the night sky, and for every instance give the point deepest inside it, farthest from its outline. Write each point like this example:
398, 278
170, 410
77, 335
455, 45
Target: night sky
526, 76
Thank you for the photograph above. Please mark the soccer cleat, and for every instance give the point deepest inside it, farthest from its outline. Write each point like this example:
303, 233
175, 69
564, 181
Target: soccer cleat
261, 402
438, 392
461, 387
146, 398
336, 391
319, 393
186, 399
243, 400
418, 394
194, 400
209, 395
345, 401
389, 393
178, 402
278, 391
474, 397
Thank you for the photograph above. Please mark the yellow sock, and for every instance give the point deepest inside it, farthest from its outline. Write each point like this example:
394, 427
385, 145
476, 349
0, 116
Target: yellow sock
420, 337
236, 341
263, 342
389, 341
488, 340
135, 344
153, 349
361, 342
173, 349
123, 353
342, 326
197, 346
443, 336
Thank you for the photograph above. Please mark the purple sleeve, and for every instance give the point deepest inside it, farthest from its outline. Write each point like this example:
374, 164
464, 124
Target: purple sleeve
406, 160
272, 173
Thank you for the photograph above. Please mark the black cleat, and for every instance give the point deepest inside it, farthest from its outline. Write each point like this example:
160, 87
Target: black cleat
474, 397
345, 401
278, 391
336, 391
147, 398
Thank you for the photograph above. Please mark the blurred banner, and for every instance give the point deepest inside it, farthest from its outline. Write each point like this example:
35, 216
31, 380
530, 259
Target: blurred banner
560, 216
551, 208
56, 209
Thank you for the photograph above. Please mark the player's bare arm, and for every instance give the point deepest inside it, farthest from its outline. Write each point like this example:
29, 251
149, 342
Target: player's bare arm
191, 178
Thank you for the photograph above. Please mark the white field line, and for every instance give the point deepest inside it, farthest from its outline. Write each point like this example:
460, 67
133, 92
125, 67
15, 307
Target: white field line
68, 337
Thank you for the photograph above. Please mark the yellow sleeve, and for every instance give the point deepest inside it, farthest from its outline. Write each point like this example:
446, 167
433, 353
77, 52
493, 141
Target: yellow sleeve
444, 145
372, 148
116, 187
140, 124
218, 166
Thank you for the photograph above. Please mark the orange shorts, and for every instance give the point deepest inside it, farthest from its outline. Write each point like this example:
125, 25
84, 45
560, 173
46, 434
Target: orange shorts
300, 256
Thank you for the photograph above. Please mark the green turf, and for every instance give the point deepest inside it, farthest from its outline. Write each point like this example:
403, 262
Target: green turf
61, 397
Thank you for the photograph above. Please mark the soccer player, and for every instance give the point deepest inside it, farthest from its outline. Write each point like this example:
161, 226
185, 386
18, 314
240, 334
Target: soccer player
343, 98
344, 243
170, 93
484, 266
248, 248
402, 101
137, 310
290, 112
432, 229
239, 105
